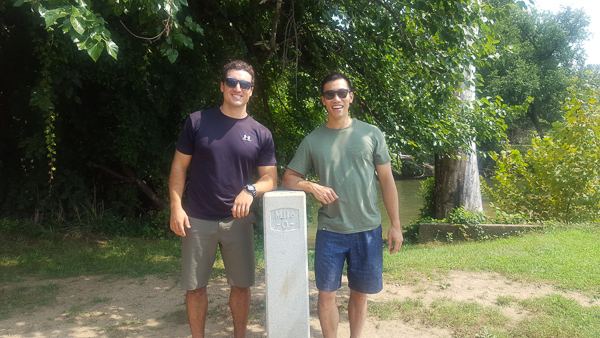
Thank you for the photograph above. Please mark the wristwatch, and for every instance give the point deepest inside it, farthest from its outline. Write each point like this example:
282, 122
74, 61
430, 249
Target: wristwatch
251, 189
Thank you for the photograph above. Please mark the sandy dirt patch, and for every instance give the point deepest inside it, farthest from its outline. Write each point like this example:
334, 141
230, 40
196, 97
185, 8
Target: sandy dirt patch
100, 306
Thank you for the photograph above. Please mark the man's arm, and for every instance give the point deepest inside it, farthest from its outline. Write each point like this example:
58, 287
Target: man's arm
179, 218
293, 180
390, 200
266, 183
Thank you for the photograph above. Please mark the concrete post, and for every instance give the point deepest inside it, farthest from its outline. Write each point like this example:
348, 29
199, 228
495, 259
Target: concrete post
286, 264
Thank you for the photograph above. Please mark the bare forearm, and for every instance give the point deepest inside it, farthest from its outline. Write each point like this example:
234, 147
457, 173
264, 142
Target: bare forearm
265, 184
296, 183
176, 186
267, 181
389, 192
293, 180
390, 201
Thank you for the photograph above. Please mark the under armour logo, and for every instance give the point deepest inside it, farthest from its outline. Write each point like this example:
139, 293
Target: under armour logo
246, 138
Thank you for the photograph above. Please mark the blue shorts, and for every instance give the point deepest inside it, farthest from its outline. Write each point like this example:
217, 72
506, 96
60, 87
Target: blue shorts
363, 252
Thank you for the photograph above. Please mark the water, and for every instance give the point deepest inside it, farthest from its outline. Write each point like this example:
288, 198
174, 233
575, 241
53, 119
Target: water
409, 201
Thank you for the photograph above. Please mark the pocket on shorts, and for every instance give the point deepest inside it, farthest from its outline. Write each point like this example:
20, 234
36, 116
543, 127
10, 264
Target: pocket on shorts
229, 223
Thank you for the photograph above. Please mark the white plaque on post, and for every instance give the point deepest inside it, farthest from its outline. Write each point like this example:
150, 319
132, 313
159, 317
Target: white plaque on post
286, 264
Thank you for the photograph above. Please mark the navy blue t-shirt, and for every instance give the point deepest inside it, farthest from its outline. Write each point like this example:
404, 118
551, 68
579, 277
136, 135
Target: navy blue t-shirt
224, 152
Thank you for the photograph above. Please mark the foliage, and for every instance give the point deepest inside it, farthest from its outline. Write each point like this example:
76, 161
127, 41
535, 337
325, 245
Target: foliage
426, 213
461, 216
111, 126
538, 54
503, 217
558, 178
427, 194
88, 28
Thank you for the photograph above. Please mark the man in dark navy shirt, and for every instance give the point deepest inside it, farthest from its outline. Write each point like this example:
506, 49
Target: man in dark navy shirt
222, 146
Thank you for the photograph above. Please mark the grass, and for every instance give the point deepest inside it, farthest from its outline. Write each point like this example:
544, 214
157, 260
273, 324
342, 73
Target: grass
26, 298
557, 316
567, 257
548, 316
61, 258
465, 319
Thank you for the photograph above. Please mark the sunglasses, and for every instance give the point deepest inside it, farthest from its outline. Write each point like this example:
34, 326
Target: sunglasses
232, 83
341, 93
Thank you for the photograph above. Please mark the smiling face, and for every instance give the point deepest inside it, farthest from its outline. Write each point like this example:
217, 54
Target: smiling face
337, 107
236, 97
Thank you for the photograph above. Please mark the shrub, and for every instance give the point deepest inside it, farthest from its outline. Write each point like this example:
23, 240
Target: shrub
427, 194
558, 178
462, 216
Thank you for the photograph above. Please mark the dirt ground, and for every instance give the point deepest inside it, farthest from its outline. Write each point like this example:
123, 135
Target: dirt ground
100, 306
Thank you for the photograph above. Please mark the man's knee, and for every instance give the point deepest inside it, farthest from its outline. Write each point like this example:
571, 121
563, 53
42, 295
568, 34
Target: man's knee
196, 292
239, 291
327, 296
358, 295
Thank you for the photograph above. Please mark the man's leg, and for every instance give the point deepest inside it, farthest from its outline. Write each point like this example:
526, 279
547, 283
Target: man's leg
196, 303
329, 315
357, 312
239, 303
236, 240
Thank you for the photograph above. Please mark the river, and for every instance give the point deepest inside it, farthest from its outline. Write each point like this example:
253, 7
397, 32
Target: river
409, 201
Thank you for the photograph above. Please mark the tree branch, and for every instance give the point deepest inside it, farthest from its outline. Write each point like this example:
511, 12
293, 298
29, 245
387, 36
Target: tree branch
129, 177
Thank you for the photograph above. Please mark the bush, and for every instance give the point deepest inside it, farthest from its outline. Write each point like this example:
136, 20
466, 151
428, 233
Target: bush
558, 178
462, 216
427, 194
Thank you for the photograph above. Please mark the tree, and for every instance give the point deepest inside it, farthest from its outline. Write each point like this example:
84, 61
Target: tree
542, 53
112, 121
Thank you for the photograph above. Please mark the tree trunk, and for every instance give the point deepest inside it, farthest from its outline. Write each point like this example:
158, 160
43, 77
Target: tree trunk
457, 174
532, 113
457, 183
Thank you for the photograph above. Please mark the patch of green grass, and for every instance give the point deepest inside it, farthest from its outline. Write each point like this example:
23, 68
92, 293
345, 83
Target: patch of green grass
176, 317
406, 309
26, 298
568, 257
74, 311
61, 258
505, 300
557, 316
465, 319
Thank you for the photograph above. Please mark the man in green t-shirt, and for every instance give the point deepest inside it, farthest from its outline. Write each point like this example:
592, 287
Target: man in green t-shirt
346, 155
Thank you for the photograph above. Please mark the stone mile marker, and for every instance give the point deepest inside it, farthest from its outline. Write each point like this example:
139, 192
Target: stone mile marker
286, 264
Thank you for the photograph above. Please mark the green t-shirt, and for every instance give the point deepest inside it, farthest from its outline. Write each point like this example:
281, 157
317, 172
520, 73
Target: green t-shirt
345, 161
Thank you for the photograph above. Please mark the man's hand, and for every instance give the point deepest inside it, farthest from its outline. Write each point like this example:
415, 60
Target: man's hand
241, 206
325, 195
395, 237
179, 221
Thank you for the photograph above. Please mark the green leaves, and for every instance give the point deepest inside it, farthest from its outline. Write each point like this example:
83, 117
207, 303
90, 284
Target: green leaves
558, 177
539, 53
90, 32
112, 49
77, 21
95, 49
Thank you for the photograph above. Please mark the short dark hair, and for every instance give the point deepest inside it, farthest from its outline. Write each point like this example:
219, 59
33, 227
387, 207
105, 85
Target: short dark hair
335, 76
237, 65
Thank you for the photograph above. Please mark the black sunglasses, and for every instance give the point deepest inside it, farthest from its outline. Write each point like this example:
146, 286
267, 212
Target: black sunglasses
232, 83
341, 93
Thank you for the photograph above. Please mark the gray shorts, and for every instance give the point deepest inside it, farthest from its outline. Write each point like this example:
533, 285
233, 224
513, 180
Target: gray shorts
234, 237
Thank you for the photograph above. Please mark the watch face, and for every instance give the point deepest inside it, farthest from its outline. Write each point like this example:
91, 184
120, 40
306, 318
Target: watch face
251, 189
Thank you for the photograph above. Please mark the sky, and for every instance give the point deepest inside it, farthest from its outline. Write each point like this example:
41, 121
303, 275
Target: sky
592, 9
